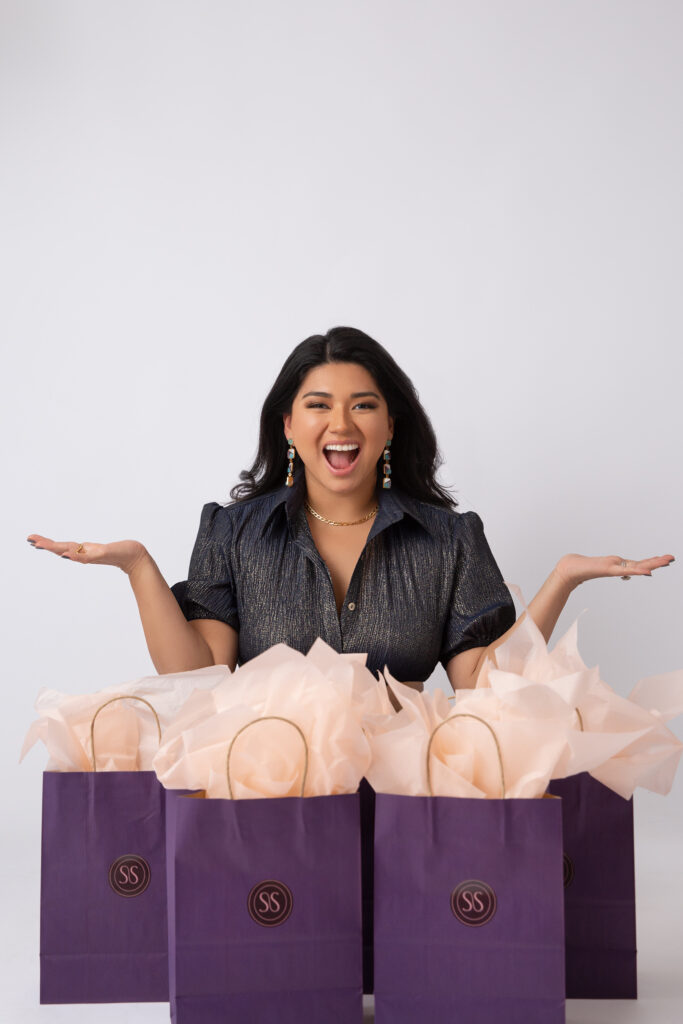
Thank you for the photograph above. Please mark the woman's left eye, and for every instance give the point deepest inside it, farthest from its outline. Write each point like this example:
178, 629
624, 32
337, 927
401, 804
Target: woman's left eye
359, 405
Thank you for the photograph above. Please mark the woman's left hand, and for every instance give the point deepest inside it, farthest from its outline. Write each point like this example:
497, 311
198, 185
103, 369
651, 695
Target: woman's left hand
575, 569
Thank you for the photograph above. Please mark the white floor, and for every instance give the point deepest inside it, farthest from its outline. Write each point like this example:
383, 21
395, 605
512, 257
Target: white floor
660, 942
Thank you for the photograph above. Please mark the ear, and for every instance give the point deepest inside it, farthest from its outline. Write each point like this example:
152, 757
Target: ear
287, 421
391, 426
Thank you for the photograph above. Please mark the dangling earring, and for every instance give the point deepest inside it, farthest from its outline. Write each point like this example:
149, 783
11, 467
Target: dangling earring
386, 482
291, 452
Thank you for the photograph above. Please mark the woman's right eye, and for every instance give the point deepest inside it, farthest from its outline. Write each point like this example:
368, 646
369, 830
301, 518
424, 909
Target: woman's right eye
321, 405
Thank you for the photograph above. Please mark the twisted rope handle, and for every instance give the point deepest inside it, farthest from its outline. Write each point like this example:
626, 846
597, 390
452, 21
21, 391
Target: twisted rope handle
113, 701
476, 718
268, 718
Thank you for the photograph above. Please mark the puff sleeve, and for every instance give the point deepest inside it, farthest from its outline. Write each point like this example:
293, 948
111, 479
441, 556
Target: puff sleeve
209, 590
481, 608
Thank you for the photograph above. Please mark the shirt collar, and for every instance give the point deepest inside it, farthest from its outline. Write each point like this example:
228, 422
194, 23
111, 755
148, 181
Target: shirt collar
393, 506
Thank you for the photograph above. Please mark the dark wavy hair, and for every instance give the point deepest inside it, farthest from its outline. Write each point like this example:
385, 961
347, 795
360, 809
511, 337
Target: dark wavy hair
415, 453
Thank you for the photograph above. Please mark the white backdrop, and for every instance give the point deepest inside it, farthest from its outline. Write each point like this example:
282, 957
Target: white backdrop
491, 189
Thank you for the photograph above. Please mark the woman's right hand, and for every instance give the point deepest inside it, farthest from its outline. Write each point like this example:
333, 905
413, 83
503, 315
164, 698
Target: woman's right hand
124, 554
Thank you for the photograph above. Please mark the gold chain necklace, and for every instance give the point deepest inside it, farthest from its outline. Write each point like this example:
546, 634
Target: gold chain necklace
332, 522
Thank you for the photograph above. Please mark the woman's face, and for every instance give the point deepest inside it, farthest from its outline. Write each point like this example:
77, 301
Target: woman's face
339, 404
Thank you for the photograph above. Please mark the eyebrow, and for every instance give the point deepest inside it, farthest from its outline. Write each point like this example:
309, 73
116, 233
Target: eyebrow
326, 394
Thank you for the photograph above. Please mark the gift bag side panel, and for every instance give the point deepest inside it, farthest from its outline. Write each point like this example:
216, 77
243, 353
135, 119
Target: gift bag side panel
600, 903
172, 797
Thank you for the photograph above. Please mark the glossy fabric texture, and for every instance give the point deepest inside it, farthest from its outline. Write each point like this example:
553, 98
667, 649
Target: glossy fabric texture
425, 587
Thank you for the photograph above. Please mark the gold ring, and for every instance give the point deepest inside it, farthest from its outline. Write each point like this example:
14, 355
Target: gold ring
79, 549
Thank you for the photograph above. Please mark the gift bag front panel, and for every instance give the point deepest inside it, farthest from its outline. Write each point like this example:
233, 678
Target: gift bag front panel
267, 909
484, 952
103, 932
600, 903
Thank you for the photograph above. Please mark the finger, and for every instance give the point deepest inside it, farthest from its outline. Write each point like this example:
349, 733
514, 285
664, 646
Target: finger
627, 567
37, 540
46, 544
639, 567
650, 564
615, 565
659, 562
74, 551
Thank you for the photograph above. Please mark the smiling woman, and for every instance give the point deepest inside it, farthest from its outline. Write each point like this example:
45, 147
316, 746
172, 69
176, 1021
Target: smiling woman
315, 545
340, 425
396, 573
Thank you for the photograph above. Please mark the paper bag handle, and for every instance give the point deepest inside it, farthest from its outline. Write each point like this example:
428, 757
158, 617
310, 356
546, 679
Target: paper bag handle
446, 721
268, 718
106, 704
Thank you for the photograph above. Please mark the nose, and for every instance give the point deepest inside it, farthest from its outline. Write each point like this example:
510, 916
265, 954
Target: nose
340, 419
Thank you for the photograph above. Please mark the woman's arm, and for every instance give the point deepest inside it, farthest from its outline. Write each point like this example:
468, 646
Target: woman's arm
545, 609
174, 644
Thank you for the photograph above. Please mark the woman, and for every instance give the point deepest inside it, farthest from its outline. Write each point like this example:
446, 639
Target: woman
340, 530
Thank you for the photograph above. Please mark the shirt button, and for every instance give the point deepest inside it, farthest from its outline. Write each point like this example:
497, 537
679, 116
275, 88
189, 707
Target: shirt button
351, 606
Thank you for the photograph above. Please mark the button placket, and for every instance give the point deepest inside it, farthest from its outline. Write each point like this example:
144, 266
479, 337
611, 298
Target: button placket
329, 606
350, 611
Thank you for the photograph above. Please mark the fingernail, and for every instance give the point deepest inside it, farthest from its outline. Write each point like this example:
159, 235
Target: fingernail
65, 556
32, 543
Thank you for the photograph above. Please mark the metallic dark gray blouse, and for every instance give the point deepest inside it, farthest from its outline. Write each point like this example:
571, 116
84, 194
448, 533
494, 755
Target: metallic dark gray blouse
425, 587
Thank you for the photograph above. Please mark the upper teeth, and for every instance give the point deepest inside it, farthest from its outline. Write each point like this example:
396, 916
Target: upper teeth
341, 447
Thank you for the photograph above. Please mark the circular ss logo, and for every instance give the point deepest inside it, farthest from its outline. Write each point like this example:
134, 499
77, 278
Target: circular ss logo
567, 870
473, 903
129, 875
270, 903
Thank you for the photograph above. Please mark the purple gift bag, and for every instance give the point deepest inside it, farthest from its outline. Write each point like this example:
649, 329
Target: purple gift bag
103, 924
468, 910
600, 900
264, 900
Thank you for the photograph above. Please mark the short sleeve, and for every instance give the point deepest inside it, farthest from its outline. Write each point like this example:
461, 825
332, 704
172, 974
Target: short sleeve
481, 608
209, 590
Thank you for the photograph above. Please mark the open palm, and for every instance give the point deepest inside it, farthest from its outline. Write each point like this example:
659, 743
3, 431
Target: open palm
124, 554
575, 569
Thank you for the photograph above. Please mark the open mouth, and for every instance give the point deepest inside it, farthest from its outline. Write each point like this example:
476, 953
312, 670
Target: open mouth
342, 456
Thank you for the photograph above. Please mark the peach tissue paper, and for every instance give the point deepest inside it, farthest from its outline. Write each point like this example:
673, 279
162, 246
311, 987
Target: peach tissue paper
126, 732
328, 696
551, 717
